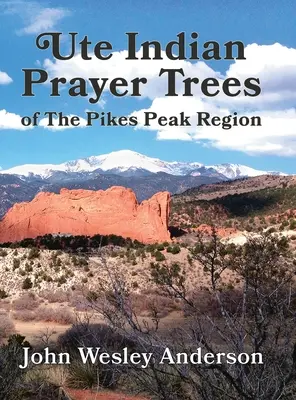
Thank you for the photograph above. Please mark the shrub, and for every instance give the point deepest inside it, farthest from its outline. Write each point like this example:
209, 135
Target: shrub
38, 389
11, 355
87, 335
61, 280
59, 296
92, 296
151, 248
33, 253
159, 256
50, 314
3, 253
79, 261
149, 303
293, 224
58, 262
3, 294
26, 302
16, 263
27, 284
24, 315
174, 249
7, 326
81, 302
190, 260
28, 268
84, 376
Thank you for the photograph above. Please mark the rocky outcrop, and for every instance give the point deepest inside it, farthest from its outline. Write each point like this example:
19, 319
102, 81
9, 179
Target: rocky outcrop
85, 212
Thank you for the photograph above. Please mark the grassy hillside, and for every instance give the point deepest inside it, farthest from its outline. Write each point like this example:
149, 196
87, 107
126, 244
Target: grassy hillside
236, 209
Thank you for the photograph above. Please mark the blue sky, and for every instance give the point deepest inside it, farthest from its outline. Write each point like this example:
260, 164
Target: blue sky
264, 23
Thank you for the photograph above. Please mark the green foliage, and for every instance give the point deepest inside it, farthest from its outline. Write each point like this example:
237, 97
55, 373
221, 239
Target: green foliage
167, 275
71, 243
27, 284
82, 376
18, 340
190, 260
28, 268
159, 256
151, 248
61, 280
33, 253
174, 249
3, 294
16, 263
14, 384
11, 355
79, 262
292, 224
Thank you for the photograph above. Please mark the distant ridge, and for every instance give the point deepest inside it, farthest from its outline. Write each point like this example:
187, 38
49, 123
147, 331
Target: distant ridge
131, 163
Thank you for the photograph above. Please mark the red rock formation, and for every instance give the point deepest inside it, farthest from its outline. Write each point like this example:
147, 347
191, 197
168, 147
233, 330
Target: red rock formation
85, 212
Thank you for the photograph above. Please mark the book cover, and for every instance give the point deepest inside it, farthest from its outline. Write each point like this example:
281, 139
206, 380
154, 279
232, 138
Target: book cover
147, 200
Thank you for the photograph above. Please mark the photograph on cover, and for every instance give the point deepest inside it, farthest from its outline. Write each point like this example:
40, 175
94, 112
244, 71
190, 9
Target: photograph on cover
147, 200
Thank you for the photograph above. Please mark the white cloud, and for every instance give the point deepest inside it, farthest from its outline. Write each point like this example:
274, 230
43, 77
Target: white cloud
46, 19
274, 65
11, 121
45, 121
276, 136
4, 78
35, 17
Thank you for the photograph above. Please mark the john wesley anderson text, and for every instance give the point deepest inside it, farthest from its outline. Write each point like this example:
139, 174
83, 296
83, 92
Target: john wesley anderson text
96, 355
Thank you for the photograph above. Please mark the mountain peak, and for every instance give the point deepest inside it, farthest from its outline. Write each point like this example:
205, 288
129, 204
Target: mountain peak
122, 161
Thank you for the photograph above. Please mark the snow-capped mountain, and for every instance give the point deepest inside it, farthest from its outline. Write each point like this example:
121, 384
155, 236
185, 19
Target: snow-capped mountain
130, 163
235, 171
116, 162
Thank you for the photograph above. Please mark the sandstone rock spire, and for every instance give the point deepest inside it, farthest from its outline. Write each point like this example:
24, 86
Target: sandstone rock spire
86, 212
